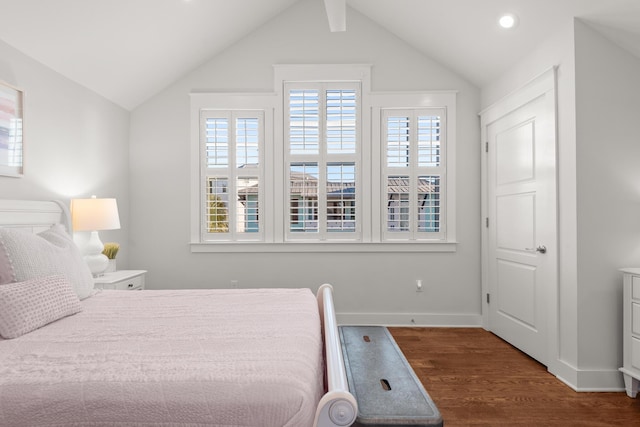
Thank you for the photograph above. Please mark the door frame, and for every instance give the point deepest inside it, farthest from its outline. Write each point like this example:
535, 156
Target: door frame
542, 85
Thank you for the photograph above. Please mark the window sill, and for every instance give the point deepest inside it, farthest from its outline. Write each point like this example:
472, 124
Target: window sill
320, 247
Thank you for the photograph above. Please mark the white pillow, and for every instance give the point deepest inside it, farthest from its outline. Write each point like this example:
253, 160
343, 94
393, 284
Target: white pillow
24, 256
26, 306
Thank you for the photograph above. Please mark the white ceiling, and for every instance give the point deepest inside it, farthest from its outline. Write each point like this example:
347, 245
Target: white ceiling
128, 50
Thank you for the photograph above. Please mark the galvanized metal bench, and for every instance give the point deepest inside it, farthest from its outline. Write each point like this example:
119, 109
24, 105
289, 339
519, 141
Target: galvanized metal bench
387, 390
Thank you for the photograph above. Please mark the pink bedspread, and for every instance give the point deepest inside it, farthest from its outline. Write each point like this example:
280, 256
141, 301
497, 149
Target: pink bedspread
169, 358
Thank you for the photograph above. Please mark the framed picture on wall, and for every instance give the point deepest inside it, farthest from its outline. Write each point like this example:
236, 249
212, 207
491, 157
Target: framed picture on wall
11, 141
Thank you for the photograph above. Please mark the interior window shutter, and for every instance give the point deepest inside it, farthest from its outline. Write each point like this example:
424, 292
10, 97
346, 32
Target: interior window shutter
322, 155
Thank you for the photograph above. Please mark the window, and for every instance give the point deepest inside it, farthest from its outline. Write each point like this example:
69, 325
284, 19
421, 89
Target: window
323, 164
322, 160
413, 174
232, 174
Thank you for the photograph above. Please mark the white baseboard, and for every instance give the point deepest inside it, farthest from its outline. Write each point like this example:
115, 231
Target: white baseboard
410, 319
588, 380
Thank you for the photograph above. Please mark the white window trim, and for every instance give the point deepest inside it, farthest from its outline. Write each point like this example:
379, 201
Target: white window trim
231, 173
322, 158
274, 207
415, 100
360, 73
229, 101
413, 171
322, 247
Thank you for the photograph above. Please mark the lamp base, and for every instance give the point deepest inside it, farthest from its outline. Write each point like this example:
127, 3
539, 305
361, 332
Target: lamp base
97, 264
95, 259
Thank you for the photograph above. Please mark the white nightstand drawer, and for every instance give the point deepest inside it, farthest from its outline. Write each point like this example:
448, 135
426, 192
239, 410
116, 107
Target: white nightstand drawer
121, 280
631, 330
635, 319
635, 353
133, 284
635, 287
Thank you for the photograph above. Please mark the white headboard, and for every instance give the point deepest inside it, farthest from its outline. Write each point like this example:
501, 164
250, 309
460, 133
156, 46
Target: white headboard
34, 215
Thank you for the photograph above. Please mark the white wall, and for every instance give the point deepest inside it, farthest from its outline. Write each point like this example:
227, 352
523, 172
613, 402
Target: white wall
599, 193
75, 141
608, 176
378, 287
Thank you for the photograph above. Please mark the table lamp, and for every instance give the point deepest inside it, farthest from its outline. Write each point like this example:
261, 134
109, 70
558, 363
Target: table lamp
95, 215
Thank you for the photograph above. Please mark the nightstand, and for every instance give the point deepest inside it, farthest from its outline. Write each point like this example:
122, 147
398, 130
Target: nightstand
631, 330
121, 280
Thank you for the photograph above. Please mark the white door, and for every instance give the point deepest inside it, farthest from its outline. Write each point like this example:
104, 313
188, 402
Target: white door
521, 233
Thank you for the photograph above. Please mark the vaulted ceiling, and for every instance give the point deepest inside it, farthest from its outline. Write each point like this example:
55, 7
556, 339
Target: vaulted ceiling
128, 50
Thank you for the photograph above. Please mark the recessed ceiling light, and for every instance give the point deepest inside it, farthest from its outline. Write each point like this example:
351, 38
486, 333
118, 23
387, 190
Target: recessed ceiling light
508, 20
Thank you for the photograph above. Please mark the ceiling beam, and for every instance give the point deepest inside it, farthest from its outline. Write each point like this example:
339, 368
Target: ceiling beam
337, 14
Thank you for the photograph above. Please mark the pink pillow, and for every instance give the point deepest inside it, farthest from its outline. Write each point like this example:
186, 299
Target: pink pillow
29, 305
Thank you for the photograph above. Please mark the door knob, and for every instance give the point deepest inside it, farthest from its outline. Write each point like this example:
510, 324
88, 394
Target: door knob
542, 249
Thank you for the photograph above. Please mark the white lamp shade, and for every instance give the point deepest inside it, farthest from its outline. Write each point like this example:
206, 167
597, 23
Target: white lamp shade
94, 214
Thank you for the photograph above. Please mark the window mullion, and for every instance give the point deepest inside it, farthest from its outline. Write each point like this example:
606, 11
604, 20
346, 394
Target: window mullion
322, 163
413, 175
233, 191
203, 175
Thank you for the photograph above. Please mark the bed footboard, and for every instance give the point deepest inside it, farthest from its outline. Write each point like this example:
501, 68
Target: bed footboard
338, 407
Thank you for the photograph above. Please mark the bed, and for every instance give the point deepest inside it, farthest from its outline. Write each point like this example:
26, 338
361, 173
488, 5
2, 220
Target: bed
206, 357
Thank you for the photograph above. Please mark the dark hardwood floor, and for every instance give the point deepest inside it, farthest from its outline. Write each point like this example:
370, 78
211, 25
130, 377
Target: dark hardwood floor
476, 379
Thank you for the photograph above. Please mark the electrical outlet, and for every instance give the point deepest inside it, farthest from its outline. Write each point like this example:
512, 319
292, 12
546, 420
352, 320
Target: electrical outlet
419, 285
234, 284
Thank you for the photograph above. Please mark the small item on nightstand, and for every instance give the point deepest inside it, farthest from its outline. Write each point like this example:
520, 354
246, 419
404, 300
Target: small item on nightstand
111, 250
